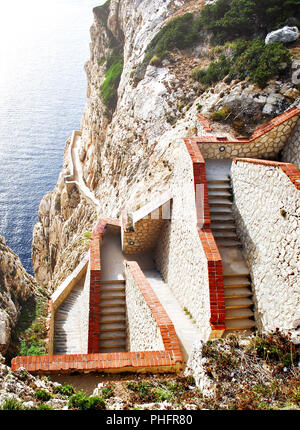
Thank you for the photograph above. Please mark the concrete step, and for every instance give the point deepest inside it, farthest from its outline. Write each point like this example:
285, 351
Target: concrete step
112, 318
113, 326
225, 234
218, 193
115, 349
221, 218
236, 282
225, 211
241, 324
219, 202
112, 282
112, 288
237, 292
228, 243
112, 335
113, 343
244, 313
211, 180
118, 310
218, 187
111, 302
112, 294
238, 303
218, 226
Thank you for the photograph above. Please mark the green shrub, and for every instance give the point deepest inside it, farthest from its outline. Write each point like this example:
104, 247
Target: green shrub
12, 405
82, 402
258, 61
253, 59
161, 394
109, 88
177, 34
45, 408
221, 114
232, 19
155, 61
43, 395
65, 390
107, 392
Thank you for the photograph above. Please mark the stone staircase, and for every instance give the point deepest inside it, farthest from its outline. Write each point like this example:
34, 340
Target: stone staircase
237, 285
112, 316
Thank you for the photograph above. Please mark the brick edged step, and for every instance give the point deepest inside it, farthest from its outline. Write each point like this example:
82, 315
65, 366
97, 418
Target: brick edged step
112, 302
233, 314
113, 335
242, 324
113, 343
238, 303
237, 292
236, 281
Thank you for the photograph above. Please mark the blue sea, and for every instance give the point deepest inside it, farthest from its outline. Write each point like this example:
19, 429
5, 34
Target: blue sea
43, 48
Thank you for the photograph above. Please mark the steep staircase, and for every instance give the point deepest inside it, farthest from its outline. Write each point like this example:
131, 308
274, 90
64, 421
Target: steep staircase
237, 285
112, 316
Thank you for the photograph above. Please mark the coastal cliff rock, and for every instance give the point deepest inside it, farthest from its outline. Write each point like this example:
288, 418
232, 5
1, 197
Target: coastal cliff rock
16, 287
128, 152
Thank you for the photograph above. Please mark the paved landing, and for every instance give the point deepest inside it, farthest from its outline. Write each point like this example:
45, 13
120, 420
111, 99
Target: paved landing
186, 331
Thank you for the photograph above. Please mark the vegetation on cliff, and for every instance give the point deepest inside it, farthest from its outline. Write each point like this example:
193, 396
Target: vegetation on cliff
109, 88
252, 59
243, 22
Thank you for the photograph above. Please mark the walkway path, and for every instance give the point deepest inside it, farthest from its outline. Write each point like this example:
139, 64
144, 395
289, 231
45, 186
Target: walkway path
76, 170
186, 331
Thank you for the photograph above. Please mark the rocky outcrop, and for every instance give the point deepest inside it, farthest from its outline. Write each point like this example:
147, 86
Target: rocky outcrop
16, 287
286, 34
128, 156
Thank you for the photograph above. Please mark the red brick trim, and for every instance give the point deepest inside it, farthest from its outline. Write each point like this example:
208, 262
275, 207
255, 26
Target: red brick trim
95, 283
162, 319
143, 361
214, 261
259, 132
205, 123
289, 169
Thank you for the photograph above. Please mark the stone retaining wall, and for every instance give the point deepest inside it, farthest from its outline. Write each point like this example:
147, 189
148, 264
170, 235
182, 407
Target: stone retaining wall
267, 211
180, 256
266, 142
291, 151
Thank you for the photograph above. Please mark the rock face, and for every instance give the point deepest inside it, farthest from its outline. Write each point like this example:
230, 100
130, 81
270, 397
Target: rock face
16, 287
128, 156
285, 35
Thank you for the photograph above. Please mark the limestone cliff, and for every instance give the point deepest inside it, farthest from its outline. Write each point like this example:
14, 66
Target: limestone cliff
128, 155
16, 287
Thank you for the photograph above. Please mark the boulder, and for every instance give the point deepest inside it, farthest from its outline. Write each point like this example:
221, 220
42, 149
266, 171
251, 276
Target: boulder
285, 35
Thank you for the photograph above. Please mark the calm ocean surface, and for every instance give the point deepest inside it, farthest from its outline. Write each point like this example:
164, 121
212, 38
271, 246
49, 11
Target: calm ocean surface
43, 48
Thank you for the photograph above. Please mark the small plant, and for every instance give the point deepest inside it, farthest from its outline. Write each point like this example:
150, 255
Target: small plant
155, 61
161, 394
43, 395
12, 405
82, 402
65, 390
107, 392
44, 407
221, 115
87, 235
